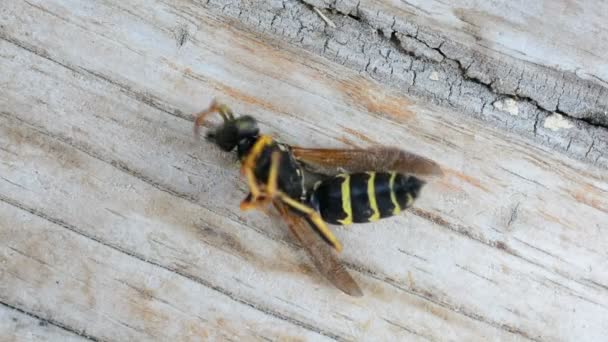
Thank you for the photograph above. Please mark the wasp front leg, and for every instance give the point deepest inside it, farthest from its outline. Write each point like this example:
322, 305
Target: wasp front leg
254, 190
261, 196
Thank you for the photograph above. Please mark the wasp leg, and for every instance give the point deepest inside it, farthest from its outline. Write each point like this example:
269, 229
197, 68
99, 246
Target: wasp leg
248, 167
256, 150
258, 197
313, 217
248, 203
273, 176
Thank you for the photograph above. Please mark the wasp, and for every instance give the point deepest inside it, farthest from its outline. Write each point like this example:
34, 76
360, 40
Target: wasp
350, 185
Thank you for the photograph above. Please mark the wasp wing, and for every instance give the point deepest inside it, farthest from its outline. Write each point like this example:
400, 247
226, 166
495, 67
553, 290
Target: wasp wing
331, 161
320, 252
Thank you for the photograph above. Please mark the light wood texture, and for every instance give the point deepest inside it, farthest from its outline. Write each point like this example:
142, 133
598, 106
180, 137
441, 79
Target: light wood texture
398, 45
16, 326
116, 224
563, 34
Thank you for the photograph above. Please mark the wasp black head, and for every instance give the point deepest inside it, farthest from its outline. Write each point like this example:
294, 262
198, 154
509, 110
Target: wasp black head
234, 131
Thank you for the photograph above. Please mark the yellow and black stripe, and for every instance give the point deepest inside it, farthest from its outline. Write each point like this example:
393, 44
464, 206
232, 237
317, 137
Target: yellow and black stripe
364, 197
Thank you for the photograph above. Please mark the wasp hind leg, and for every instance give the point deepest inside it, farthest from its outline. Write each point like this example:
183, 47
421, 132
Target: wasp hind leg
313, 218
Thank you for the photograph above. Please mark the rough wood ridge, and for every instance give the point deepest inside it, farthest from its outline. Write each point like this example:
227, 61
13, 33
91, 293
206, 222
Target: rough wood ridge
556, 108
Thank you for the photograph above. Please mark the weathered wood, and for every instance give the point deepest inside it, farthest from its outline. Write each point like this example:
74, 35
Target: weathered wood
562, 34
112, 294
17, 326
386, 43
104, 189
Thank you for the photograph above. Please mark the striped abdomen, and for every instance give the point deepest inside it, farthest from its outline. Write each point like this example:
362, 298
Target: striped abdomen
364, 197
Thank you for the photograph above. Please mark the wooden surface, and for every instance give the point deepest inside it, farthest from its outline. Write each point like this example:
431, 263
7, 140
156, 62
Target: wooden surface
563, 34
469, 66
116, 224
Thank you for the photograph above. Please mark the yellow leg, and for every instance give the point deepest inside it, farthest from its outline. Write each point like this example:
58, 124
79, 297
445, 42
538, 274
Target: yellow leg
273, 176
314, 218
258, 197
249, 203
248, 164
252, 182
256, 150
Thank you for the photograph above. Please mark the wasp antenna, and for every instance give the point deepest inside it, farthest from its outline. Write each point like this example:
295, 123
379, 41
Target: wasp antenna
214, 107
224, 116
200, 117
225, 112
229, 112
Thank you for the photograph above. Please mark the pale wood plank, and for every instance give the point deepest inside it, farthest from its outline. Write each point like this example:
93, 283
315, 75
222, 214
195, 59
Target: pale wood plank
563, 34
465, 250
187, 239
396, 49
89, 286
16, 326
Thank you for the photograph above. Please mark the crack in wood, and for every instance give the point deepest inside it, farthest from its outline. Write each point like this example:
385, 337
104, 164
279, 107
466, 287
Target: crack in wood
477, 274
464, 231
49, 321
428, 296
471, 68
147, 99
409, 330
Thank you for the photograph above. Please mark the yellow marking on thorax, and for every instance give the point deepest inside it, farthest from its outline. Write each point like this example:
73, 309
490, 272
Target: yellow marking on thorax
371, 195
255, 151
346, 207
391, 186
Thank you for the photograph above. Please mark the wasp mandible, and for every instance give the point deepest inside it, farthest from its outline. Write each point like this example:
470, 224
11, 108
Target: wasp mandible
352, 185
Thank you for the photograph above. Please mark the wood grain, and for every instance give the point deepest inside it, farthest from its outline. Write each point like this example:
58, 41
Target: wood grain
16, 325
564, 34
116, 221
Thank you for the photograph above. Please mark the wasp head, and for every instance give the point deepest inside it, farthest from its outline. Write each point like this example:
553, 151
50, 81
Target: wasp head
233, 131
